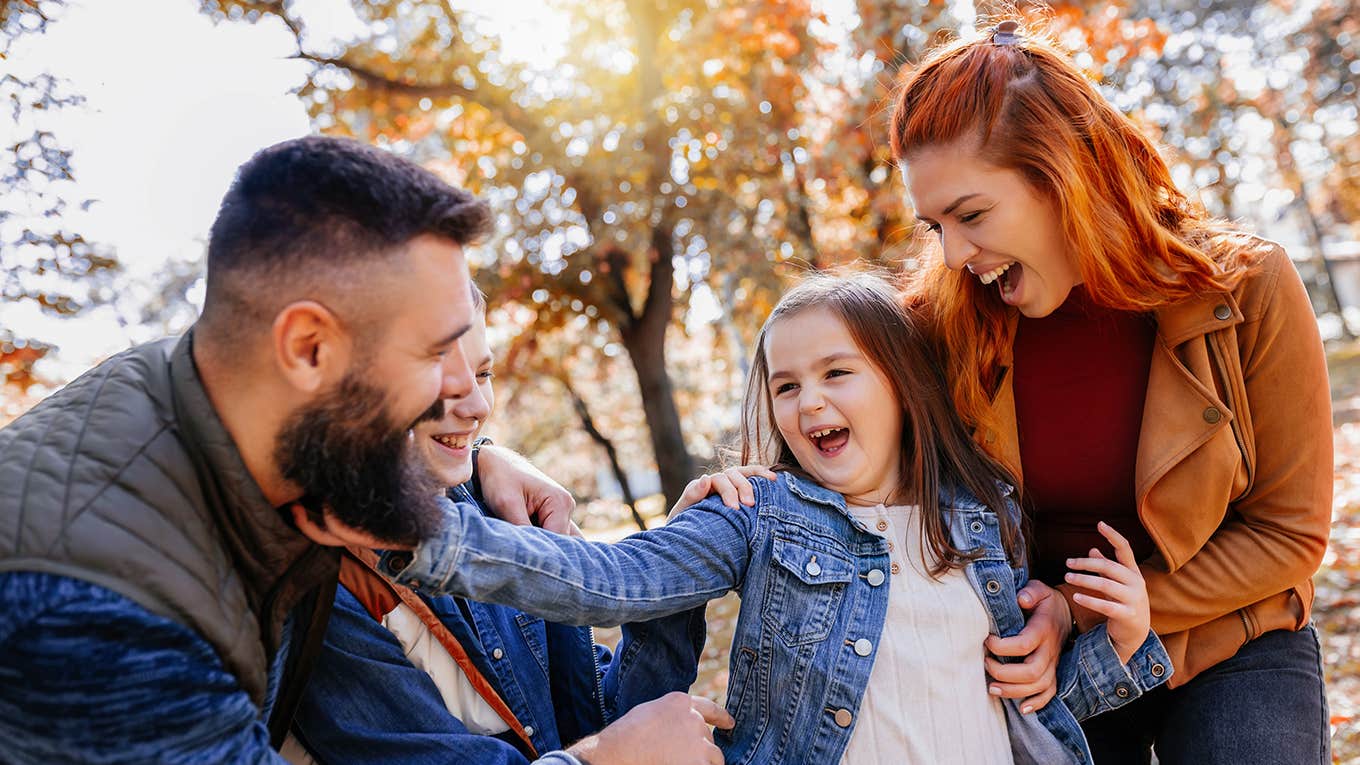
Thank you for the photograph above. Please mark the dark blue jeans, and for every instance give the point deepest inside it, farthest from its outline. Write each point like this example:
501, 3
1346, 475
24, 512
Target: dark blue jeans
1266, 705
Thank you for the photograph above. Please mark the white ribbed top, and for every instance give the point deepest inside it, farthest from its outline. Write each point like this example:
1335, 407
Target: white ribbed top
927, 700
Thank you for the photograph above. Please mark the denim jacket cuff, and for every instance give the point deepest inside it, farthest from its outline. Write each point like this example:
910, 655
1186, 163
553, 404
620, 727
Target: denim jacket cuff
433, 562
1091, 679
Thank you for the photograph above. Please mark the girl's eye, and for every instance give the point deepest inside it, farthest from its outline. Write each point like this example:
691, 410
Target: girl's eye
837, 372
784, 388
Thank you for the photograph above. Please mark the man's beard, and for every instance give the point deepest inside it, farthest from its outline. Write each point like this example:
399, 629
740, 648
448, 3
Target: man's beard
349, 458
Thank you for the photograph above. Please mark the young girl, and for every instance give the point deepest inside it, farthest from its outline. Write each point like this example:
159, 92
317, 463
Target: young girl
871, 571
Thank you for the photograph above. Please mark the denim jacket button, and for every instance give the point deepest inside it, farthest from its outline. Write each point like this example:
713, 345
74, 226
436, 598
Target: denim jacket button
844, 718
1122, 691
813, 567
1158, 670
863, 647
529, 730
398, 562
976, 527
875, 577
497, 654
993, 586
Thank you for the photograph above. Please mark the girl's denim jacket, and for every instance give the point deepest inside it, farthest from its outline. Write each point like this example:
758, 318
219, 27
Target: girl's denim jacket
813, 583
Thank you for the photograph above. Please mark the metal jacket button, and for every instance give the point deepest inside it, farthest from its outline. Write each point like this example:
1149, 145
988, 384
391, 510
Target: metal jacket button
875, 577
497, 653
863, 647
1122, 691
993, 586
843, 718
1222, 312
1212, 415
976, 527
1158, 670
813, 567
528, 730
399, 562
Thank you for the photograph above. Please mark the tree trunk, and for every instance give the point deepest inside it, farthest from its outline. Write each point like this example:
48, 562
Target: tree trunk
588, 424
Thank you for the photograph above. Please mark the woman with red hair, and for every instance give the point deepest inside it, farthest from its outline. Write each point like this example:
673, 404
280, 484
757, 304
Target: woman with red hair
1128, 360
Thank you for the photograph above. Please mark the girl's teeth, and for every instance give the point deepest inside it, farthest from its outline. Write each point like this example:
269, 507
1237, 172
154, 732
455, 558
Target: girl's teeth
993, 275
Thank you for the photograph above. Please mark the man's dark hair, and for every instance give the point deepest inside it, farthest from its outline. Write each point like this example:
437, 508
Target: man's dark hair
303, 215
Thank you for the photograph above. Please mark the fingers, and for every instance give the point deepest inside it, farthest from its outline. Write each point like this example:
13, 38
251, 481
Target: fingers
1102, 568
575, 531
1033, 593
728, 490
746, 493
1022, 644
1039, 700
712, 712
1112, 610
1123, 552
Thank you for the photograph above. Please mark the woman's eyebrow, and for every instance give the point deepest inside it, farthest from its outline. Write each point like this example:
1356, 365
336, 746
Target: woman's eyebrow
953, 206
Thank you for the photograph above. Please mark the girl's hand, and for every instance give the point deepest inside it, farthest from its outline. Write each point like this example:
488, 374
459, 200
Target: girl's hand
1114, 589
731, 484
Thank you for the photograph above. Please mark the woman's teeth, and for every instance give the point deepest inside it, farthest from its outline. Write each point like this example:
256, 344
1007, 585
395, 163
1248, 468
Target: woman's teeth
994, 274
452, 441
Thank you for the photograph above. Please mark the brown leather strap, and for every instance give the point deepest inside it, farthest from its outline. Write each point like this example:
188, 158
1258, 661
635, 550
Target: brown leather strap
380, 595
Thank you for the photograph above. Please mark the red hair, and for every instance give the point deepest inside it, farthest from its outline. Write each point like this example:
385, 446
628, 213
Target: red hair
1139, 243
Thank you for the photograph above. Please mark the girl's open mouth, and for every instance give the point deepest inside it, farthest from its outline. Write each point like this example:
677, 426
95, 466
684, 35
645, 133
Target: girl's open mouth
830, 441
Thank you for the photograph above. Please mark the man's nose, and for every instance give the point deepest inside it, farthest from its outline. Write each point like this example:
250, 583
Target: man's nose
457, 379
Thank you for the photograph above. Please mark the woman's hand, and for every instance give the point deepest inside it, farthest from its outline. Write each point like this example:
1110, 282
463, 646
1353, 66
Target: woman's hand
731, 484
1035, 678
1114, 589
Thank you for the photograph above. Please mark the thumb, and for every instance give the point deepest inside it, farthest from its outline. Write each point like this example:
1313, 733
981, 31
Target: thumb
1033, 593
712, 713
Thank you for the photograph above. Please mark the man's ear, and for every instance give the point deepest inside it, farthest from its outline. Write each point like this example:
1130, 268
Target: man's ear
311, 347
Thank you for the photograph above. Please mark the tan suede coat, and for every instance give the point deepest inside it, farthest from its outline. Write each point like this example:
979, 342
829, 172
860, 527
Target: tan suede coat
1234, 466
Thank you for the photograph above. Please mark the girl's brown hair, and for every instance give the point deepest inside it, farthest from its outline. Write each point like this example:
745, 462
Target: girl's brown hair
1139, 243
936, 450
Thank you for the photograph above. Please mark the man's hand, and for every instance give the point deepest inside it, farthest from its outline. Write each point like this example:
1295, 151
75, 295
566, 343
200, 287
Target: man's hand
520, 493
731, 484
672, 730
1035, 679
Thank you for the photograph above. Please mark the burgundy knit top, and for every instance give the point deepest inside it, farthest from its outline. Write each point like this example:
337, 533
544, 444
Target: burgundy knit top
1081, 376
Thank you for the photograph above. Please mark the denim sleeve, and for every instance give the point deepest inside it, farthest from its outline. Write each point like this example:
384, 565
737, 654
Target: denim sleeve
654, 658
1092, 680
699, 555
87, 675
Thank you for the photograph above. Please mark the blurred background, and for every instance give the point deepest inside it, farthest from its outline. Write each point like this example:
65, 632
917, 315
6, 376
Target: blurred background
661, 169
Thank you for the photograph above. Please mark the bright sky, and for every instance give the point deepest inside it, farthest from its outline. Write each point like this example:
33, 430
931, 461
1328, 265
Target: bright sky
173, 105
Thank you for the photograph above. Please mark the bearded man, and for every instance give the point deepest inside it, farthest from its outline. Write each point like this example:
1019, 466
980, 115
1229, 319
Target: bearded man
169, 520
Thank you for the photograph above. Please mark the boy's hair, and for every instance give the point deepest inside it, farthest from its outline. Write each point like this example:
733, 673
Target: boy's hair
320, 218
1139, 242
936, 450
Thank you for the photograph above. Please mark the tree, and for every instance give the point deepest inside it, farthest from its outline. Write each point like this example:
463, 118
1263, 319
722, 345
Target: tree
42, 259
663, 150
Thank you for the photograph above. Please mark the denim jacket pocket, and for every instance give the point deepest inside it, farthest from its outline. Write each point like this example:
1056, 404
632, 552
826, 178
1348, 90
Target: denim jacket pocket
804, 589
535, 636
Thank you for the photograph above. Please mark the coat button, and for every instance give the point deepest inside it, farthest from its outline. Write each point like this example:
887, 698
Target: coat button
1222, 312
993, 586
1158, 670
1122, 691
813, 567
1212, 415
497, 654
529, 730
875, 577
863, 647
882, 525
843, 718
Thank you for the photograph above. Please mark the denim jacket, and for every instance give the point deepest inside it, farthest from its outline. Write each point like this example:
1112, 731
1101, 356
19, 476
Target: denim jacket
796, 681
367, 702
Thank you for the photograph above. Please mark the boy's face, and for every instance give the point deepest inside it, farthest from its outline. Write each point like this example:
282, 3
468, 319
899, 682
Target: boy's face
446, 443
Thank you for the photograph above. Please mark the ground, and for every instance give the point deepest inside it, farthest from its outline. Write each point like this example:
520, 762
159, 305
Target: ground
1336, 609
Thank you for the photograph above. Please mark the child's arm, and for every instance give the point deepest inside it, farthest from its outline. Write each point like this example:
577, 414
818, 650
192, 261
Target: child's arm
1118, 660
699, 555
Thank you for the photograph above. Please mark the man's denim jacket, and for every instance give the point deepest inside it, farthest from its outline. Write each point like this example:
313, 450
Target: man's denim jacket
812, 583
